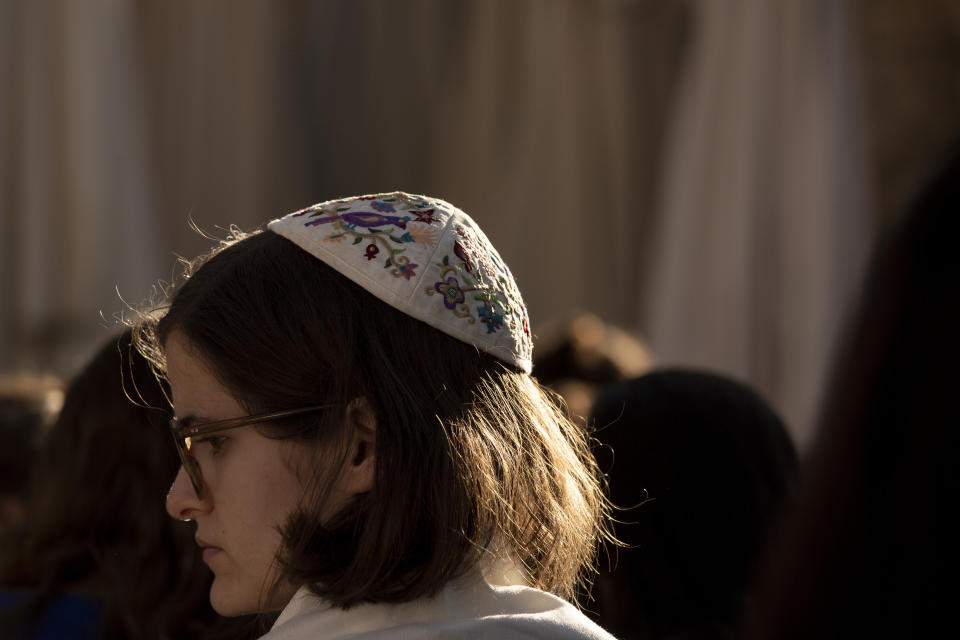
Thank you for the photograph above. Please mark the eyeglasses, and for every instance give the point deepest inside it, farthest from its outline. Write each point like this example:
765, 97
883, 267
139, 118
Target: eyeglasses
184, 435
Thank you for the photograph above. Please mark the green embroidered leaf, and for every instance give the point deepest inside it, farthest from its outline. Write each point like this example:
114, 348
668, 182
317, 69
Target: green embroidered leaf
396, 239
446, 261
343, 208
389, 263
376, 230
396, 251
357, 240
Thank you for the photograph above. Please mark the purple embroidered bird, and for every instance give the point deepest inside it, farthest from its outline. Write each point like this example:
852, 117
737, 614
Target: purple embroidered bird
364, 219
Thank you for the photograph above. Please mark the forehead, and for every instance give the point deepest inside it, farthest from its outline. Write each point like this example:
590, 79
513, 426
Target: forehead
196, 391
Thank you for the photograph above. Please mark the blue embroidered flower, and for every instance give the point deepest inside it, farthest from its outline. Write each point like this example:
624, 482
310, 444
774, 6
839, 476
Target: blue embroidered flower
490, 317
383, 207
451, 291
406, 237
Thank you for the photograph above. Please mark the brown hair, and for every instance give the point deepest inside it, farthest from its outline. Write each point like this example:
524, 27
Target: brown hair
96, 524
471, 452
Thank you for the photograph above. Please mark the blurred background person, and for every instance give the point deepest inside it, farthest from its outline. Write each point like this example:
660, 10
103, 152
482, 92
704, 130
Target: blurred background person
581, 354
97, 556
700, 466
28, 406
870, 548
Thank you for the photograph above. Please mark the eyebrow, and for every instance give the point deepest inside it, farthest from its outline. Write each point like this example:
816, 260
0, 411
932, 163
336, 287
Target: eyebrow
191, 420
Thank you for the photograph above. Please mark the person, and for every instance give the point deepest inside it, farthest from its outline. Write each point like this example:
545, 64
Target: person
28, 406
701, 466
363, 447
870, 549
581, 354
97, 556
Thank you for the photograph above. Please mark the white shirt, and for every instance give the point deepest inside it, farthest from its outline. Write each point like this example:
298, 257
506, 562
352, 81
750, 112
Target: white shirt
473, 606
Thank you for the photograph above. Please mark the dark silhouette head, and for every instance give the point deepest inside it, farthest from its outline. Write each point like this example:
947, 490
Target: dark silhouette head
711, 464
870, 550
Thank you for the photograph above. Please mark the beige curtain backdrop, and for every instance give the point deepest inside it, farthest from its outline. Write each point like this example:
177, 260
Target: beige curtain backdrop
765, 224
78, 207
545, 119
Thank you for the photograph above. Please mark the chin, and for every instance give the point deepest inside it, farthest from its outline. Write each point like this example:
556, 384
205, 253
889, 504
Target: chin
230, 600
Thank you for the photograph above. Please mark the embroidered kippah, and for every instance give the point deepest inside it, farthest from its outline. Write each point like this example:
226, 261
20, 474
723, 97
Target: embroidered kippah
424, 257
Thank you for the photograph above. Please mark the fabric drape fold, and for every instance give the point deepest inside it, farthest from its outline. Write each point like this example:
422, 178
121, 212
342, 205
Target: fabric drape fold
764, 212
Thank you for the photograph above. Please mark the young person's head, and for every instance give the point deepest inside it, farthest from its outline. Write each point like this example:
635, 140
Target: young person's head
423, 440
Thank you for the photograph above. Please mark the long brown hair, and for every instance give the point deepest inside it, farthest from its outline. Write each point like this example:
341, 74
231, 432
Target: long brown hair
471, 452
96, 523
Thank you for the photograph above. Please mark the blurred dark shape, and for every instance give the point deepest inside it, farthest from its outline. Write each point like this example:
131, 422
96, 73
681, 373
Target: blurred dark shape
583, 353
98, 556
871, 548
702, 466
28, 406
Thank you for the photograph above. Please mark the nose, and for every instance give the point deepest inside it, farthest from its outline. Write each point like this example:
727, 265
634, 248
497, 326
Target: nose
182, 501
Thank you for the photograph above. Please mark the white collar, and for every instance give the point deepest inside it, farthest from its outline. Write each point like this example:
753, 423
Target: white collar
467, 607
480, 581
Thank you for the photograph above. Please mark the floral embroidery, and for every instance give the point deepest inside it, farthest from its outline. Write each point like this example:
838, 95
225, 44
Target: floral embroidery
426, 216
490, 317
469, 251
391, 229
404, 267
424, 235
384, 227
451, 292
463, 255
479, 274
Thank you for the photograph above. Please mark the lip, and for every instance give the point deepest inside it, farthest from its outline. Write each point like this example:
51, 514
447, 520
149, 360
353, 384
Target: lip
209, 550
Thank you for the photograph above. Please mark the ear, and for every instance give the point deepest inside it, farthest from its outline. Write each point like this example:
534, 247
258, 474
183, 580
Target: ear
359, 468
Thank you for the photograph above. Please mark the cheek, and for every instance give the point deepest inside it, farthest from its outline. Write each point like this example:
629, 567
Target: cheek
275, 490
254, 495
